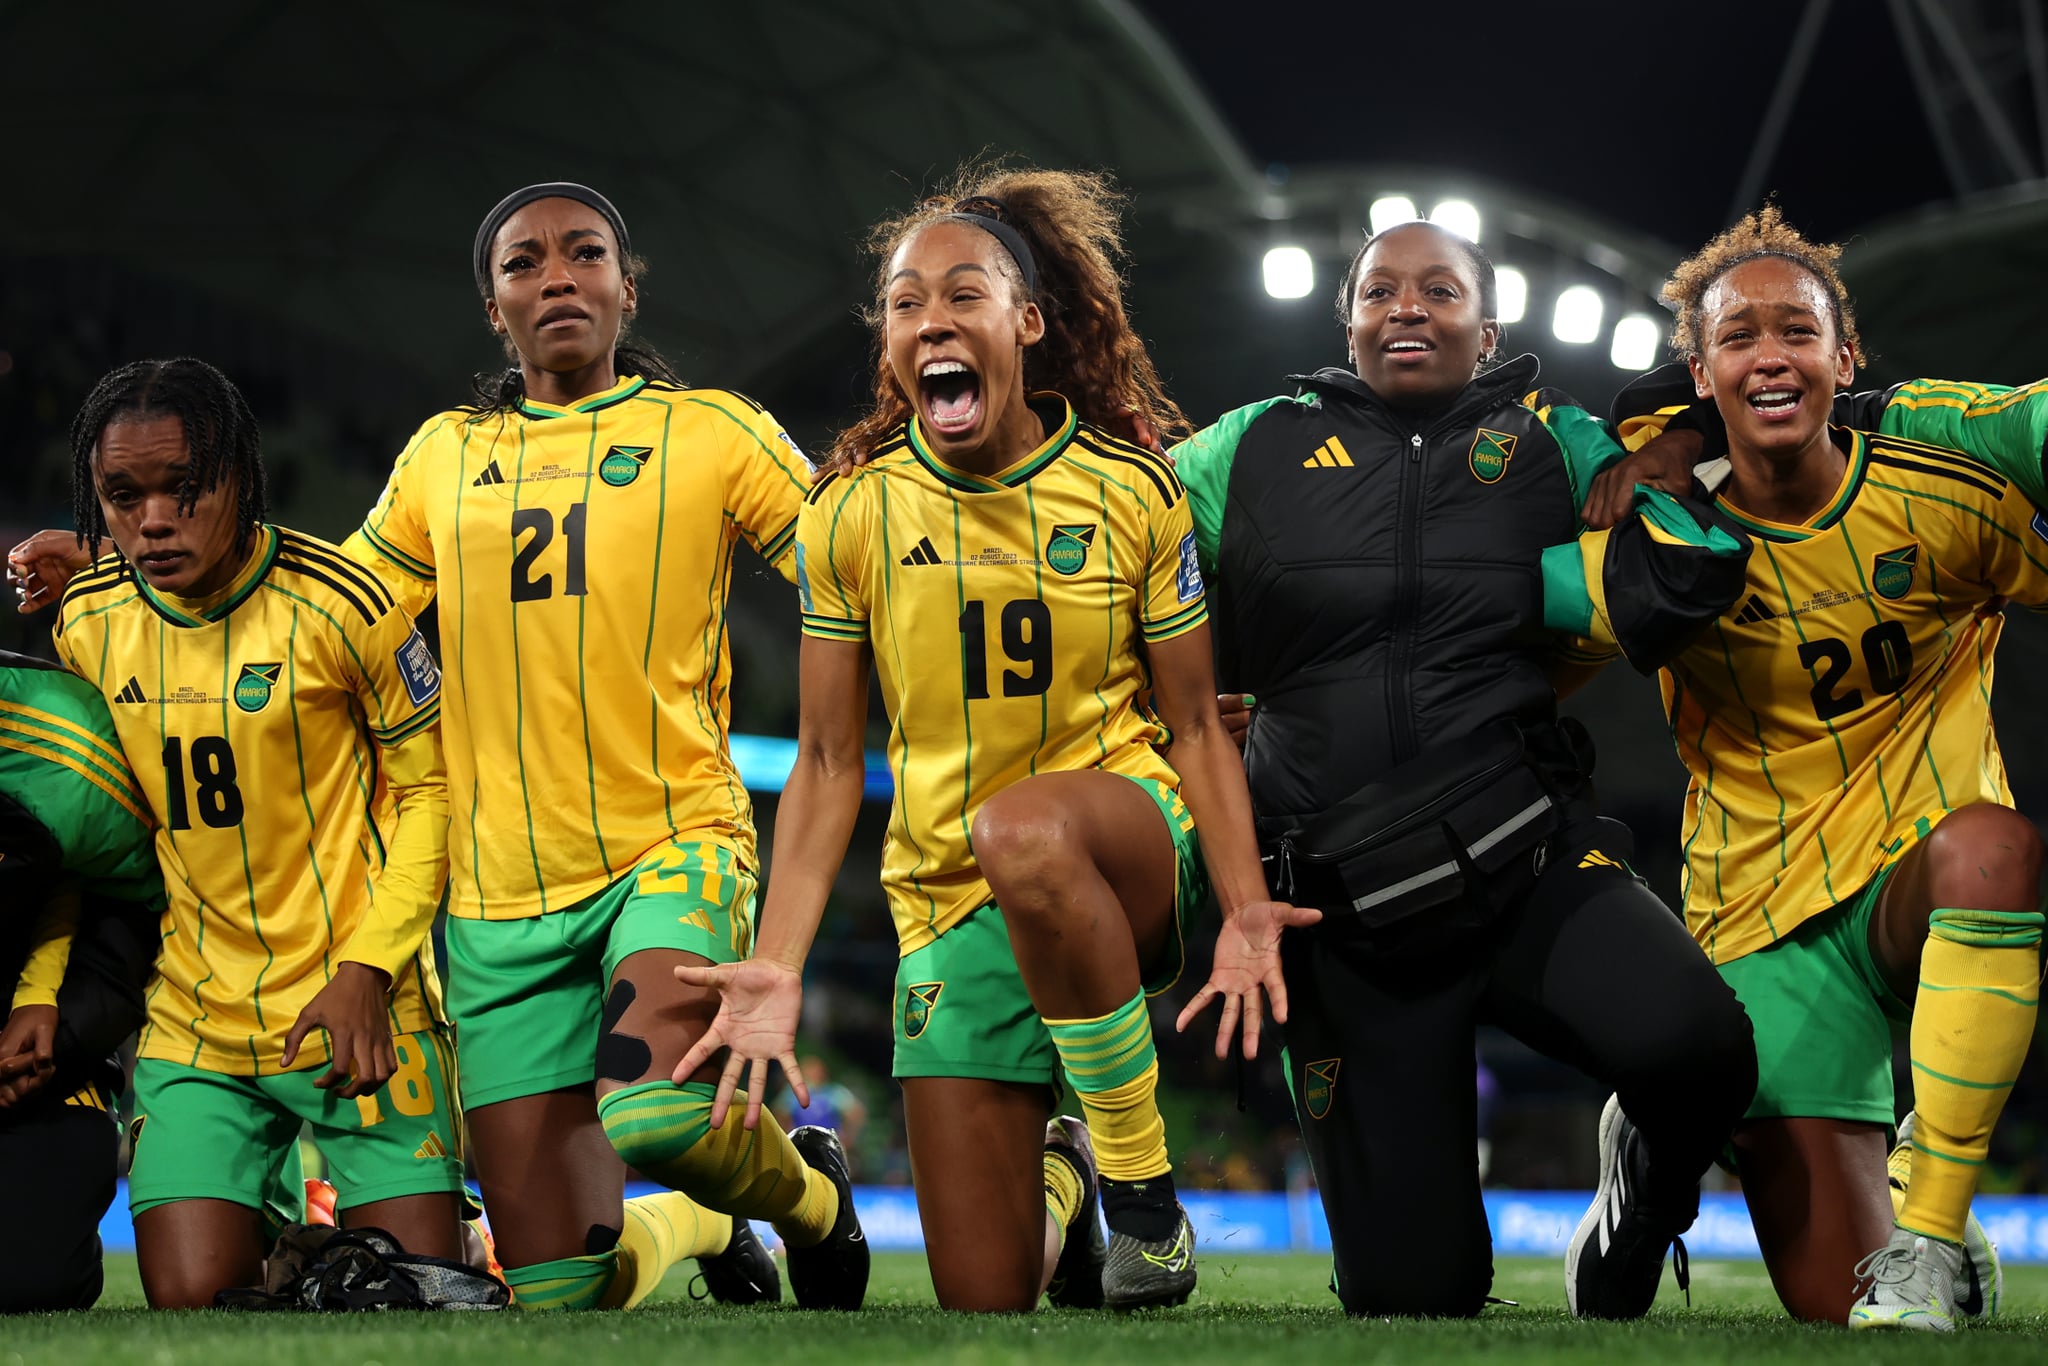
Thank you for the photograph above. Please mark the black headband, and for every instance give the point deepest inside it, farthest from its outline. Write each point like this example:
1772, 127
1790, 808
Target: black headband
519, 199
986, 213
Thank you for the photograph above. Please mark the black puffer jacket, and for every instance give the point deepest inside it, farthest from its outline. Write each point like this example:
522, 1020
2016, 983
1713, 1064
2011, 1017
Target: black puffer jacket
1377, 585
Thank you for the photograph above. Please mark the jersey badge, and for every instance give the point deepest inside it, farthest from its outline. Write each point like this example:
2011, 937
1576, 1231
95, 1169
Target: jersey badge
1067, 551
920, 999
1490, 454
1187, 580
621, 464
1319, 1086
417, 666
252, 689
1891, 573
2040, 525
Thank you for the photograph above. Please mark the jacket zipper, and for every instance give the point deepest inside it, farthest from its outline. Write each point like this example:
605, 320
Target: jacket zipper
1407, 573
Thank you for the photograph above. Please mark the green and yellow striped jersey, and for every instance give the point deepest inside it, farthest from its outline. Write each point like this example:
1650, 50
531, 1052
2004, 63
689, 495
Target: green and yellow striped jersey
1842, 706
62, 763
580, 558
282, 734
1008, 616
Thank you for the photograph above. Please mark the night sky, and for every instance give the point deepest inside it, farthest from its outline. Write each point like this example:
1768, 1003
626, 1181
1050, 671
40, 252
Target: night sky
1639, 111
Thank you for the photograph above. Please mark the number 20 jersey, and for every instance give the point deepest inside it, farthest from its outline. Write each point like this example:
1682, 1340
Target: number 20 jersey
1007, 616
580, 558
1842, 706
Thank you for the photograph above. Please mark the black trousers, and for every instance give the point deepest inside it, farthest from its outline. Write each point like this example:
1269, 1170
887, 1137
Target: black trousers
1581, 962
60, 1161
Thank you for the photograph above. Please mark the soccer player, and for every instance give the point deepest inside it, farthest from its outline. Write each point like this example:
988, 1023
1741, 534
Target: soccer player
80, 896
281, 699
577, 529
1852, 856
1024, 583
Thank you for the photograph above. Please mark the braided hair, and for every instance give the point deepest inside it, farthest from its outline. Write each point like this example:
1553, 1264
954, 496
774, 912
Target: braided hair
220, 434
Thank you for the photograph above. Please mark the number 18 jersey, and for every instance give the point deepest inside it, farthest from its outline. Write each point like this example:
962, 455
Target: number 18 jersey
1842, 706
1007, 616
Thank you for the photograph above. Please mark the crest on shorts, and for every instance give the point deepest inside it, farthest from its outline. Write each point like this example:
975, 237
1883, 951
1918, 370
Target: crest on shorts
1067, 551
1891, 573
920, 999
1319, 1086
252, 689
1491, 452
621, 464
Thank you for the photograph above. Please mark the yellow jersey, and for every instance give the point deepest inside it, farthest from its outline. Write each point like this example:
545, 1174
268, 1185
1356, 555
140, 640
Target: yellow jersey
269, 726
580, 557
1842, 705
1008, 616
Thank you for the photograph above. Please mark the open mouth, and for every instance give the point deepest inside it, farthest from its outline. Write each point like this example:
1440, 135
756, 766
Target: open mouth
949, 396
1775, 402
1411, 349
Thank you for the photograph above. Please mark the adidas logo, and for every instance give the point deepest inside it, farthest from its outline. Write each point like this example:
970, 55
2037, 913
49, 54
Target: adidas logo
433, 1147
1595, 859
1330, 453
1753, 612
699, 919
922, 553
491, 475
131, 691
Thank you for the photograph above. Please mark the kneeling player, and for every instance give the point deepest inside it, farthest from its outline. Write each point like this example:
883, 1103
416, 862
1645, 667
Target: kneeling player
276, 702
79, 900
1852, 853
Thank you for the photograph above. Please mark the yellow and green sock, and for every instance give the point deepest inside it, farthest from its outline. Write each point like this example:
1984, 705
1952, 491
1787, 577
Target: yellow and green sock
660, 1230
1063, 1193
1110, 1063
1980, 988
664, 1130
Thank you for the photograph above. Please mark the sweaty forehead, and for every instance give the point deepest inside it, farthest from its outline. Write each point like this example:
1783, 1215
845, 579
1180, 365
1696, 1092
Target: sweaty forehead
548, 218
1771, 283
938, 247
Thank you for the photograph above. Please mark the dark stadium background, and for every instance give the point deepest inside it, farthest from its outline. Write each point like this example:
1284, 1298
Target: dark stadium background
290, 193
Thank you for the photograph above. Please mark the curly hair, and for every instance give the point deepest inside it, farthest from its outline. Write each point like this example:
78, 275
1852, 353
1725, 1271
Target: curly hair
220, 436
1762, 234
1089, 353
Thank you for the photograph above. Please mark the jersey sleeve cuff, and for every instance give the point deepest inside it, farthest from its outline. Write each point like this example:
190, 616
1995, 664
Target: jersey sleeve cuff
419, 569
1179, 624
834, 628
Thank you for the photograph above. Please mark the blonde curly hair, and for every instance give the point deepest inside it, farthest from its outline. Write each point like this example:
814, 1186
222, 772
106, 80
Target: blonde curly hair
1762, 234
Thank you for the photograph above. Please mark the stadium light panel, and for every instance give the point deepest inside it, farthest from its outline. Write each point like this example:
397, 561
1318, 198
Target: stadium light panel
1389, 210
1513, 287
1460, 216
1577, 318
1290, 272
1635, 342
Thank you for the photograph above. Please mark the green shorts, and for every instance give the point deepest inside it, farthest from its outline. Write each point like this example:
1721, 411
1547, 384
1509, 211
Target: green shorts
528, 995
961, 1009
201, 1135
1822, 1013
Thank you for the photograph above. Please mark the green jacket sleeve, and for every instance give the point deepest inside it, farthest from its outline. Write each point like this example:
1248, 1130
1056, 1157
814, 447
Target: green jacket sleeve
2005, 428
1585, 442
1203, 463
1649, 584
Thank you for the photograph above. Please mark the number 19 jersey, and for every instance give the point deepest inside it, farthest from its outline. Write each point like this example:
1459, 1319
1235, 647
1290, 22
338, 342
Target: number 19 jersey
1842, 706
580, 557
1007, 616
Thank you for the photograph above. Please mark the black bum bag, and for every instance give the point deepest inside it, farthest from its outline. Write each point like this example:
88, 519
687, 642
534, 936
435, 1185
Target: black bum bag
1425, 835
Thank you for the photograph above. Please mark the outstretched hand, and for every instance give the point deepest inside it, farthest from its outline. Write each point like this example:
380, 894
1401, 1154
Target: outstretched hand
758, 1008
1248, 961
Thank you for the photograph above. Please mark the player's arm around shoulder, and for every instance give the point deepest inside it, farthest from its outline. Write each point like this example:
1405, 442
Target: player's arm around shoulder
2002, 427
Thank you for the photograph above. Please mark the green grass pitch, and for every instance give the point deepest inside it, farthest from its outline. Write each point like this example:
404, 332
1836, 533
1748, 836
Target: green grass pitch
1248, 1308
